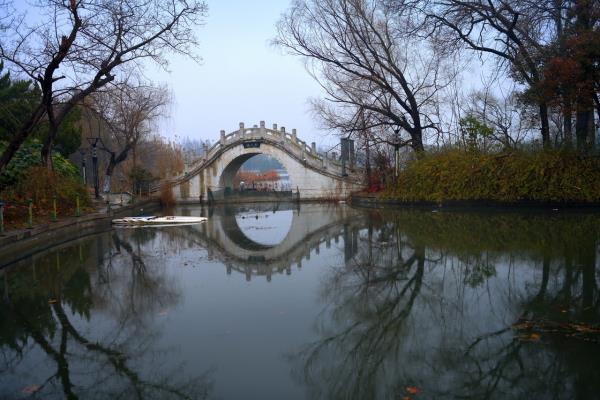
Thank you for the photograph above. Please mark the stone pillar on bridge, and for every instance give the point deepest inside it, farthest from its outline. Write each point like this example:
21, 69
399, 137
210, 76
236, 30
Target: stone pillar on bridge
313, 147
222, 137
262, 128
282, 134
204, 151
294, 137
274, 127
241, 129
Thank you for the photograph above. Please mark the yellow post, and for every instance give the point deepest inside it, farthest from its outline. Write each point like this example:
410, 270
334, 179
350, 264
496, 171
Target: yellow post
30, 214
54, 208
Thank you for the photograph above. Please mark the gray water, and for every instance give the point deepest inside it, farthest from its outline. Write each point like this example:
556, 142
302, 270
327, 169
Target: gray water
281, 301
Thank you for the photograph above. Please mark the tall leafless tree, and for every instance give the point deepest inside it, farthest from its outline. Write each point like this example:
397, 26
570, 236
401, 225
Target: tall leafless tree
502, 29
77, 47
130, 112
368, 63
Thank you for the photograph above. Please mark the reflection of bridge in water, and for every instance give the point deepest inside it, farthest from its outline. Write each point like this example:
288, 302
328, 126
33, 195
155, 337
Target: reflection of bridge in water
311, 227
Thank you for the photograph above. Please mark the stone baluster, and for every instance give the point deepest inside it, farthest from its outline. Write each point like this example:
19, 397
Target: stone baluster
294, 138
313, 148
222, 137
241, 129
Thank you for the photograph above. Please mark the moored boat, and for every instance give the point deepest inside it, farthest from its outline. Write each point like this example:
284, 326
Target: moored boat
156, 220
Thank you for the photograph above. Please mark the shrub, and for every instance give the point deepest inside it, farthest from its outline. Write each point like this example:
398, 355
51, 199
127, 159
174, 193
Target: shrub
28, 156
167, 198
510, 176
40, 185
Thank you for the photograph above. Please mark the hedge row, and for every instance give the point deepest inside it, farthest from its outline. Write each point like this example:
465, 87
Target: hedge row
458, 175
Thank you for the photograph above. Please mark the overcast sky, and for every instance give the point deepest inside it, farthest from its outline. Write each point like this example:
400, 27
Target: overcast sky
242, 77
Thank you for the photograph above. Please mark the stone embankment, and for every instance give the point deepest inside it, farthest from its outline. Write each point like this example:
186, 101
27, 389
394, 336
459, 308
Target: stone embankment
20, 243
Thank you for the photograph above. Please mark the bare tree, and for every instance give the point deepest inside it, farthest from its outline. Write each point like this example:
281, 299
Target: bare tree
516, 33
369, 65
79, 46
129, 112
508, 118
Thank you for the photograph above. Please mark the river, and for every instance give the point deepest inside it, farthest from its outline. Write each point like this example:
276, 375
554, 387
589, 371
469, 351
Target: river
309, 301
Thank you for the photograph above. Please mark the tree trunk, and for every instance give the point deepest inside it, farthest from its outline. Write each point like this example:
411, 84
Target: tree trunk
586, 259
584, 121
567, 124
109, 171
46, 152
368, 162
112, 163
597, 103
417, 141
545, 126
545, 278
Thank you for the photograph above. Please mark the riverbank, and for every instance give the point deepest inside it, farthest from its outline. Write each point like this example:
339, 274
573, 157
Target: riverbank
516, 178
18, 243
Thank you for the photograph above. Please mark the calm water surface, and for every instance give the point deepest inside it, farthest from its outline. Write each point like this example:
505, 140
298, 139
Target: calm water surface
317, 302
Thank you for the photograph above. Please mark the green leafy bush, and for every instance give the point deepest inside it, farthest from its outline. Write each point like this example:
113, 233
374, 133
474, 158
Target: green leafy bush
509, 176
27, 157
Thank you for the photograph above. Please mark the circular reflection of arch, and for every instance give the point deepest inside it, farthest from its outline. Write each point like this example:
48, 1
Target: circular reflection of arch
268, 228
257, 229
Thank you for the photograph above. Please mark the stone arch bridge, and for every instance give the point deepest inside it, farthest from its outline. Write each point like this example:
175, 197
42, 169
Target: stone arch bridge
312, 176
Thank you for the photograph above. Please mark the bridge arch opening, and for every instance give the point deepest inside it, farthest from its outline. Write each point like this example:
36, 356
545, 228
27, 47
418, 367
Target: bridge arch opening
253, 173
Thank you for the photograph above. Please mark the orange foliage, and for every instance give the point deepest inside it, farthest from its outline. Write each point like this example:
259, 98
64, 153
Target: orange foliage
250, 178
166, 195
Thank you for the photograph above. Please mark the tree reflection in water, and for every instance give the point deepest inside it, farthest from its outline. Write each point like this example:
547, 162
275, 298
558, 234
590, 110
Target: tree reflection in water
80, 323
461, 306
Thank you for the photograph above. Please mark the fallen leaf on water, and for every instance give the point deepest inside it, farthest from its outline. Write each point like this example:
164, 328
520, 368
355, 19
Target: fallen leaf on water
412, 390
163, 312
524, 325
30, 389
406, 398
532, 337
535, 336
51, 301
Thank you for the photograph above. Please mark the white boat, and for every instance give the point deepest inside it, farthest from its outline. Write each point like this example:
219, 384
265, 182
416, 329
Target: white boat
155, 220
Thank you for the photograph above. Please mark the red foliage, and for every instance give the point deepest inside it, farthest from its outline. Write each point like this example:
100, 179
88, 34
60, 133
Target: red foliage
376, 183
250, 178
